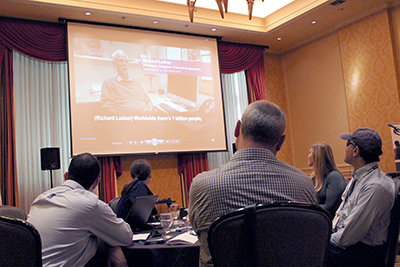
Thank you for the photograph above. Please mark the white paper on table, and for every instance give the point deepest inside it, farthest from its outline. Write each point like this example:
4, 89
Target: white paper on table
137, 237
182, 239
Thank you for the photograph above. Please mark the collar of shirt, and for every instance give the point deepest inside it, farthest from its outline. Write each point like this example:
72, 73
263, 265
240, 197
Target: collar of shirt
360, 173
72, 184
120, 79
253, 153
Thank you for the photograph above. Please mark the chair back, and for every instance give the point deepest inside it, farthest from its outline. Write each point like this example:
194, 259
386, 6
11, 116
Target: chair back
12, 212
113, 204
20, 243
394, 226
271, 234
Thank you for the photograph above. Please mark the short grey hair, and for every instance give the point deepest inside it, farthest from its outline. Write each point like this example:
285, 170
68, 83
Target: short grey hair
263, 122
119, 51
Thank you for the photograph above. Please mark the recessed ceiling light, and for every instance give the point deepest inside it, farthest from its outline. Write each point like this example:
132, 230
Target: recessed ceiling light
313, 22
155, 21
213, 30
279, 38
88, 13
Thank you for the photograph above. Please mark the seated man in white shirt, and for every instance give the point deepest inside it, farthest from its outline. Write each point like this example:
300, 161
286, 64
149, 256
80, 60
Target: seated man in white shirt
70, 218
360, 226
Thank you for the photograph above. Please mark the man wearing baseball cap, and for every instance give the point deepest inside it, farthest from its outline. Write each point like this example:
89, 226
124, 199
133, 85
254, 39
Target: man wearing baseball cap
360, 226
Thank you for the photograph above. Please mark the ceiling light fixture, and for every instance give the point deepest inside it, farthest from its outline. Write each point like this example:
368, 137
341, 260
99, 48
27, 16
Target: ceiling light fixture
155, 21
222, 6
88, 13
313, 22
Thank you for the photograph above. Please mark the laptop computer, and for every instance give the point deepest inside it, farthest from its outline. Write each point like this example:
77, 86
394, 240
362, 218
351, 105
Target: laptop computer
140, 211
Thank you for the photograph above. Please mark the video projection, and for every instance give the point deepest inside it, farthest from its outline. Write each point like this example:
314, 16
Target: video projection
137, 91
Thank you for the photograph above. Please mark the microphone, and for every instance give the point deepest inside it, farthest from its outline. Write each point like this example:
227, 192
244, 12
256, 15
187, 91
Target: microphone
396, 130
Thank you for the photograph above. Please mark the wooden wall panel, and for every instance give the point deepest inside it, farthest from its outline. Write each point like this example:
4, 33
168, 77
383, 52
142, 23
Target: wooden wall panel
275, 92
370, 79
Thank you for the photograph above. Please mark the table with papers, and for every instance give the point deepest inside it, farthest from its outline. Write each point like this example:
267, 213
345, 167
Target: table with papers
182, 250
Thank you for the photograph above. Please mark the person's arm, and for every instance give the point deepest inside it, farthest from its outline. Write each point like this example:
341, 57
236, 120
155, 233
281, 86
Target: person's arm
372, 203
334, 189
105, 225
193, 206
149, 107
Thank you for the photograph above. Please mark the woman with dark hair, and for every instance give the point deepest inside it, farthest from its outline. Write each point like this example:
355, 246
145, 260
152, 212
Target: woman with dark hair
141, 177
328, 181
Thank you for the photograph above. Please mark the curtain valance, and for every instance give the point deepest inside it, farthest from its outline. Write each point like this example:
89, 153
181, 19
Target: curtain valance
238, 57
40, 40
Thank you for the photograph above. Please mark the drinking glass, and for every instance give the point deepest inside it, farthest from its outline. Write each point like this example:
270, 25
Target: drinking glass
166, 222
174, 209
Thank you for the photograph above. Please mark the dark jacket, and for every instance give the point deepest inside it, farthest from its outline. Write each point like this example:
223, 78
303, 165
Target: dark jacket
135, 188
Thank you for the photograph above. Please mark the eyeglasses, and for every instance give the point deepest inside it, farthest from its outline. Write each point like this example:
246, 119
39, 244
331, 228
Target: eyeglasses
349, 142
121, 61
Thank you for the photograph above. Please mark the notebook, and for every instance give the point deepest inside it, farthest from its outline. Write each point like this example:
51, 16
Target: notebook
141, 210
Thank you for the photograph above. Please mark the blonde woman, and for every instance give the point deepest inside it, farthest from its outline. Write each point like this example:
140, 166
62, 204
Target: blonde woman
328, 181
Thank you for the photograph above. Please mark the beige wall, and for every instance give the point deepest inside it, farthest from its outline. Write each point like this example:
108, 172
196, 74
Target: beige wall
370, 79
340, 83
316, 97
274, 79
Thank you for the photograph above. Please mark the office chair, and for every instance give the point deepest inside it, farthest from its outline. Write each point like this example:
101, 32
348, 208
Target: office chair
271, 234
12, 212
394, 226
20, 244
113, 204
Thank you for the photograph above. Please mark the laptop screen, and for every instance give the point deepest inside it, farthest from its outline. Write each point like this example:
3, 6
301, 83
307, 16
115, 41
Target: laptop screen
141, 210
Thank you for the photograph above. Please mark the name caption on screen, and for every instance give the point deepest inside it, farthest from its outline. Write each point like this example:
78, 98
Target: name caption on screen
113, 118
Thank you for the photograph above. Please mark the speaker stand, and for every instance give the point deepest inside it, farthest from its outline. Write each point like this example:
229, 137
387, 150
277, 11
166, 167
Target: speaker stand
51, 178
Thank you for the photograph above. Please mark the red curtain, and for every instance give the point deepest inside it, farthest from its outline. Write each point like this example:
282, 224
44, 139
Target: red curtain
8, 181
110, 171
39, 40
238, 57
256, 81
189, 165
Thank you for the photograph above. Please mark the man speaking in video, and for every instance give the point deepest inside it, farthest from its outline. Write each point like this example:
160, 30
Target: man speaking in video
121, 94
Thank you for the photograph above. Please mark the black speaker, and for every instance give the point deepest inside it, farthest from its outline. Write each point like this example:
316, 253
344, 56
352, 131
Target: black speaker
234, 147
50, 158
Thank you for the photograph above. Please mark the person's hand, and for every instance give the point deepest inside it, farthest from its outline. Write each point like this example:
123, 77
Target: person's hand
116, 258
148, 108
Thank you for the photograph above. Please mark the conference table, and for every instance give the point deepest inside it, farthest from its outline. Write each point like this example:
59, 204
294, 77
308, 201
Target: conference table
155, 252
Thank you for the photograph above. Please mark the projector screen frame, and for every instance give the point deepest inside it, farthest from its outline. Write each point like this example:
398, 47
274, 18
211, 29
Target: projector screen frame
73, 101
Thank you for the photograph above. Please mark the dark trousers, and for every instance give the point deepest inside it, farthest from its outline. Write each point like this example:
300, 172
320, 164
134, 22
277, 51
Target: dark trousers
359, 254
